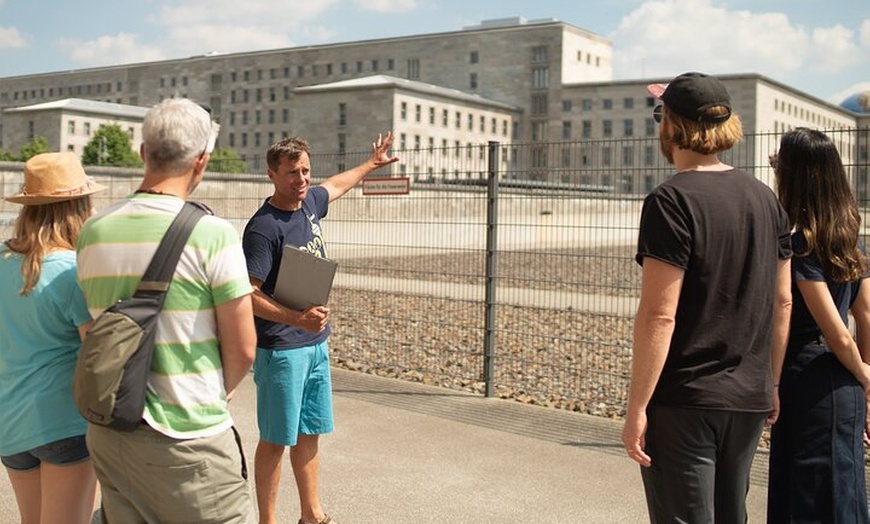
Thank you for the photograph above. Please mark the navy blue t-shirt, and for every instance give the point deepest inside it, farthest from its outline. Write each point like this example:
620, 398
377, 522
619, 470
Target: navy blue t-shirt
265, 236
804, 328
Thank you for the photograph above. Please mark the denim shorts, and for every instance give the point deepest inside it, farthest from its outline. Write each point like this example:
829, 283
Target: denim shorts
64, 451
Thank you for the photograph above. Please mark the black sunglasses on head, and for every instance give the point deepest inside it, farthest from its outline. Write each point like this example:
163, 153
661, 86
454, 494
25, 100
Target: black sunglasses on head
657, 114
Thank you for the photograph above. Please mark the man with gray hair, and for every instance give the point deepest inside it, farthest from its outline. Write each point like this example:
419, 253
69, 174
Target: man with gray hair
185, 462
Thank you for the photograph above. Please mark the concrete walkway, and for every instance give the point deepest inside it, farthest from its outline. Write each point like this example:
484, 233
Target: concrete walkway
408, 453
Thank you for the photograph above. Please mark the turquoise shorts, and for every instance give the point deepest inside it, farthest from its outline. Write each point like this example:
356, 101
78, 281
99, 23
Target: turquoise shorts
294, 393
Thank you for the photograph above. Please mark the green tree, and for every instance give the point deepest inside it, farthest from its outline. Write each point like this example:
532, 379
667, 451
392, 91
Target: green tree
7, 156
110, 146
36, 146
226, 160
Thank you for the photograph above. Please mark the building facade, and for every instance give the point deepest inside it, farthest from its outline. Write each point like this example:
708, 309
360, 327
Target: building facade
68, 124
542, 88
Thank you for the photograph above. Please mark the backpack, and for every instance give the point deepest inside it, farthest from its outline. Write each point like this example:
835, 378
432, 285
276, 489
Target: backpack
113, 366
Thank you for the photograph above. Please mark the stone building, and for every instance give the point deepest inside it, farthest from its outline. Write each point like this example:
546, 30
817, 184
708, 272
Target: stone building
69, 124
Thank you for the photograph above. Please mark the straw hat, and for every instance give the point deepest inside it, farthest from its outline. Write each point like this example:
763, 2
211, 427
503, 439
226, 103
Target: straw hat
54, 177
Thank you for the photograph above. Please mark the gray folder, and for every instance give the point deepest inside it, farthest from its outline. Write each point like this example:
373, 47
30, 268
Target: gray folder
304, 280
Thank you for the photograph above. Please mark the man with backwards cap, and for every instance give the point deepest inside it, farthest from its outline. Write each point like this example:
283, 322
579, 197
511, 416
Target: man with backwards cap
712, 321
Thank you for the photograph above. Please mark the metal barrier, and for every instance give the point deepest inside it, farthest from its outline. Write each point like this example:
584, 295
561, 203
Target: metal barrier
507, 270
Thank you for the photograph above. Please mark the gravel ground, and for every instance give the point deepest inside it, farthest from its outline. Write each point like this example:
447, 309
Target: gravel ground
564, 359
561, 358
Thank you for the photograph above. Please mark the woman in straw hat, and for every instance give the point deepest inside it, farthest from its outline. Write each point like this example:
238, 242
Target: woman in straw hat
43, 319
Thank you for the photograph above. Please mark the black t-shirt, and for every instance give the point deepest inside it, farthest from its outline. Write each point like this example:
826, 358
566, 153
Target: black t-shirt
728, 231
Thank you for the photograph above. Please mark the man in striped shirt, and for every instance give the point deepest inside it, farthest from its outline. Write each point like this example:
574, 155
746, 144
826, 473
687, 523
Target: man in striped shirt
185, 462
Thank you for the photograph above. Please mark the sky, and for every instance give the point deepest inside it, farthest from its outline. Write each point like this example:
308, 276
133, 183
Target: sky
819, 47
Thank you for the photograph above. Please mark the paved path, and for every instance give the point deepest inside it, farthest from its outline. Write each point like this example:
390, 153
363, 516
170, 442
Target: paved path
407, 453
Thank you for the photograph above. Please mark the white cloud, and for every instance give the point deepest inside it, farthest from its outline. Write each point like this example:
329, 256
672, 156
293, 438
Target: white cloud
11, 38
122, 48
865, 33
388, 6
195, 27
668, 37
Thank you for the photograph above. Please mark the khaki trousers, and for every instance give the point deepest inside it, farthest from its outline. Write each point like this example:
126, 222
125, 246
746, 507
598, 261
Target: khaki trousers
148, 478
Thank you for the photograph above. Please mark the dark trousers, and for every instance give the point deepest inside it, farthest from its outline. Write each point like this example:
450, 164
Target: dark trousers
816, 448
700, 464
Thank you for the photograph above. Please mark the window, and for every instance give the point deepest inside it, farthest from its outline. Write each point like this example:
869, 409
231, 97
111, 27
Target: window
628, 103
232, 118
257, 139
432, 116
493, 125
416, 142
285, 116
566, 130
245, 117
482, 124
344, 67
566, 106
539, 131
342, 143
300, 71
472, 80
473, 58
470, 122
271, 117
245, 96
259, 95
418, 113
374, 65
445, 116
402, 141
414, 69
587, 129
607, 103
539, 53
650, 101
539, 104
649, 127
607, 128
216, 82
587, 104
271, 94
328, 69
606, 157
403, 111
391, 64
342, 114
627, 156
257, 117
458, 120
628, 127
648, 155
540, 77
70, 127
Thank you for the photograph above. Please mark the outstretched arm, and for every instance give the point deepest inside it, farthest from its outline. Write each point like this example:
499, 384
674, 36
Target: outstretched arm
338, 185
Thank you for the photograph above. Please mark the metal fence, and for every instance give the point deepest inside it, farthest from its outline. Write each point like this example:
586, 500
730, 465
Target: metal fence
507, 270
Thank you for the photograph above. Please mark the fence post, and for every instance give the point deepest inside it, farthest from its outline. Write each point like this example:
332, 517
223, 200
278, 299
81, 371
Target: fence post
491, 255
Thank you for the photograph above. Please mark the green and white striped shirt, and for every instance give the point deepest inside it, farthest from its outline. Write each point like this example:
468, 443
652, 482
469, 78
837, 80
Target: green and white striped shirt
186, 397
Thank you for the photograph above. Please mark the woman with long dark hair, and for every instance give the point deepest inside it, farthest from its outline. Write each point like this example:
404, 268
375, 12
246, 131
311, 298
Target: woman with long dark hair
817, 445
43, 318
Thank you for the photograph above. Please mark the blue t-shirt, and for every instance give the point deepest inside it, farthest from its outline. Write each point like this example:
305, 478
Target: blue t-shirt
39, 344
803, 328
265, 236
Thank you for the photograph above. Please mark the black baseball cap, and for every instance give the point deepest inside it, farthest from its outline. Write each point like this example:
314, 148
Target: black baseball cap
691, 94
